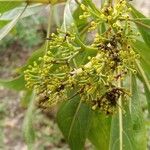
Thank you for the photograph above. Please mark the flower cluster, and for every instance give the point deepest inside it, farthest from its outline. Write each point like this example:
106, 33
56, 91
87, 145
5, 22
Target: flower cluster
58, 74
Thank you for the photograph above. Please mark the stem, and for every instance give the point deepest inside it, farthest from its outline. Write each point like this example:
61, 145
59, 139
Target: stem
78, 41
76, 53
42, 1
35, 1
120, 119
83, 46
85, 29
49, 27
75, 64
131, 82
77, 2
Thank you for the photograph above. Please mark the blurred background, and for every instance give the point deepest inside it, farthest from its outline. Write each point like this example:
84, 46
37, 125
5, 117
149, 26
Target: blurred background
15, 49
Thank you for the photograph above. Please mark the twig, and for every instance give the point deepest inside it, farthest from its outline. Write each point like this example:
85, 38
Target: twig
49, 28
120, 120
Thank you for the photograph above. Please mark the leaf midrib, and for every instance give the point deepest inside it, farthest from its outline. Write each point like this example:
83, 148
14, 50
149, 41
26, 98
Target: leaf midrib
73, 120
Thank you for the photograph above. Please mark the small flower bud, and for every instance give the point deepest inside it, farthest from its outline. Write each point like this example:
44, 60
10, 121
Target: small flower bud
93, 23
81, 17
109, 18
83, 7
102, 16
129, 9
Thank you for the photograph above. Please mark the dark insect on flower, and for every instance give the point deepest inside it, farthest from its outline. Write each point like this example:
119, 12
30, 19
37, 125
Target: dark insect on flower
113, 95
60, 88
109, 45
106, 11
108, 102
106, 46
42, 98
65, 37
120, 75
113, 41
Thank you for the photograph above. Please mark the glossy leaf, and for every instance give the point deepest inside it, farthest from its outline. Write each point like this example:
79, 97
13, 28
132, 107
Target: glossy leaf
147, 94
99, 133
146, 68
12, 14
25, 100
138, 124
3, 23
46, 1
6, 29
135, 12
80, 23
73, 119
145, 80
143, 50
142, 23
8, 5
127, 142
68, 18
28, 130
14, 84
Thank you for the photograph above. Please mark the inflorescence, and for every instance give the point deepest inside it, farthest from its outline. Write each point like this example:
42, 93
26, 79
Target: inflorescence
68, 68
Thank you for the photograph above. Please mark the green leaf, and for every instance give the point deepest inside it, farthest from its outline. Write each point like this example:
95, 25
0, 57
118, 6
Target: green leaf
8, 5
102, 28
67, 18
121, 136
135, 13
144, 28
6, 29
3, 23
25, 100
146, 68
143, 50
147, 94
73, 119
138, 124
92, 6
14, 84
80, 23
31, 10
144, 78
82, 57
143, 24
28, 130
99, 133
